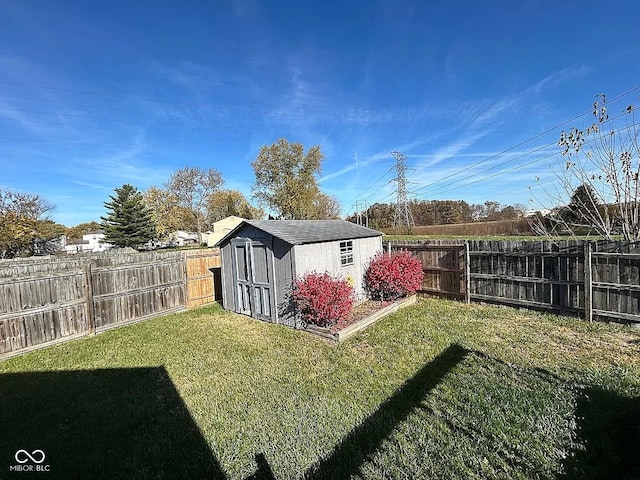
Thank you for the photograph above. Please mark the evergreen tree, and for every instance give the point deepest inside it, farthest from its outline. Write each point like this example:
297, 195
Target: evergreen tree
128, 222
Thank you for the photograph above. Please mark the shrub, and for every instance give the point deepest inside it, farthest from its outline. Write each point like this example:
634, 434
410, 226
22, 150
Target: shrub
393, 276
322, 299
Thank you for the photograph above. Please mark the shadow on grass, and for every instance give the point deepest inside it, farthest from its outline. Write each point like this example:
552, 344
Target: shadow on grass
115, 423
609, 432
356, 447
132, 423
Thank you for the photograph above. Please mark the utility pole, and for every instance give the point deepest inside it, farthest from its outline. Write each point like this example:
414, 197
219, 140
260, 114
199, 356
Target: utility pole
402, 215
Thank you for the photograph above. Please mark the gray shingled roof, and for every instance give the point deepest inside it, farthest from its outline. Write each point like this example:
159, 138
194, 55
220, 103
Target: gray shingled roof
298, 232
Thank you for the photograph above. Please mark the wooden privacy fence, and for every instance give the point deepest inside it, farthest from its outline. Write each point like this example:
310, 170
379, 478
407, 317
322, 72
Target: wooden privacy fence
54, 299
593, 279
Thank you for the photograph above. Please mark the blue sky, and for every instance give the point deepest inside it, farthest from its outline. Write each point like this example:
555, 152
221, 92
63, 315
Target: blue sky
97, 94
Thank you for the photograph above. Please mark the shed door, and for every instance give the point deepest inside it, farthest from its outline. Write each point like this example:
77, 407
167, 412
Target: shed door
253, 280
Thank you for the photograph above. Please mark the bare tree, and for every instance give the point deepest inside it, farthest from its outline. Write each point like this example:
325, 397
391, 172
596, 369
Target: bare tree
326, 207
599, 184
193, 186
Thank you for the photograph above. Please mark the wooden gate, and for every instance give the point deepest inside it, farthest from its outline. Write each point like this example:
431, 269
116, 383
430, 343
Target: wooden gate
201, 268
253, 278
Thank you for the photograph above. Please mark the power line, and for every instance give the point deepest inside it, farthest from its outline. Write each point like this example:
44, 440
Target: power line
554, 128
438, 190
517, 167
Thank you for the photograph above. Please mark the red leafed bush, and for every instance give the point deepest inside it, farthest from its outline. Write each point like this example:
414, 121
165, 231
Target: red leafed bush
322, 299
393, 276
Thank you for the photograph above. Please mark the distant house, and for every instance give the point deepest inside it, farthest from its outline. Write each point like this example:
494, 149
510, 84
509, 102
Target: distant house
184, 238
262, 258
220, 229
91, 242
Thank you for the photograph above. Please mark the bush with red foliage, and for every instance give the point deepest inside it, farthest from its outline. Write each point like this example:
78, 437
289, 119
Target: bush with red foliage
393, 276
321, 299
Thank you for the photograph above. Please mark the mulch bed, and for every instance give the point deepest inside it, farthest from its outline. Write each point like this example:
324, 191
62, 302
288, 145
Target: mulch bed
360, 311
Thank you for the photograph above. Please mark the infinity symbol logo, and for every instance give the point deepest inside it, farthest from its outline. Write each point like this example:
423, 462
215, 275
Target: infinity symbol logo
37, 456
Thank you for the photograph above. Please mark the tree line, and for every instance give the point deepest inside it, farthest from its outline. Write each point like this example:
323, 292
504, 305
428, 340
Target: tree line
438, 212
191, 199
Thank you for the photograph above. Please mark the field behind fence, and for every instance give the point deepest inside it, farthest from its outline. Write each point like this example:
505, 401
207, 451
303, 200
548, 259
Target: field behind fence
591, 279
49, 300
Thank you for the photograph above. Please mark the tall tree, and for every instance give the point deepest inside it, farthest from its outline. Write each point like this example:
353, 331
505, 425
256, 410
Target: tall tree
23, 223
226, 203
286, 179
192, 187
128, 222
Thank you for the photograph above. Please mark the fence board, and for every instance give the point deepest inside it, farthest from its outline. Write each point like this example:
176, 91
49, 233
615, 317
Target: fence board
540, 274
46, 300
442, 265
200, 274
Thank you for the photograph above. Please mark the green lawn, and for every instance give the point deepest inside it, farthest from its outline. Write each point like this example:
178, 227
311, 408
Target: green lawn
437, 390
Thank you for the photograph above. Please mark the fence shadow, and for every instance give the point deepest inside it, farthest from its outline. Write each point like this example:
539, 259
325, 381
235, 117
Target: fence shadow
114, 423
353, 450
609, 431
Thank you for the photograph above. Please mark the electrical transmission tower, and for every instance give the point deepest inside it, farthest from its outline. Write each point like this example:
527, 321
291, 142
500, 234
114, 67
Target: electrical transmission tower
362, 213
402, 216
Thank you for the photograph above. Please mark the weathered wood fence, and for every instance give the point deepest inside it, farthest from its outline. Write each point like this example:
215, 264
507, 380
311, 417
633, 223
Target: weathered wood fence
54, 299
592, 279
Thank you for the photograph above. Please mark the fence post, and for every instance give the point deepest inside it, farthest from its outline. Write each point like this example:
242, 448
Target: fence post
467, 273
185, 272
588, 283
91, 313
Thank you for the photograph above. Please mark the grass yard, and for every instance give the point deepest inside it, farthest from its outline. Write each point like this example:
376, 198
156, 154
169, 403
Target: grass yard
437, 390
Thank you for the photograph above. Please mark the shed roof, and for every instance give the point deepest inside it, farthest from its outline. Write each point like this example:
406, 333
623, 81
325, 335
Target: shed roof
298, 232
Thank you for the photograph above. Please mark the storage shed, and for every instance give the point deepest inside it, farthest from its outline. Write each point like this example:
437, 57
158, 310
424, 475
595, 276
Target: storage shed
261, 259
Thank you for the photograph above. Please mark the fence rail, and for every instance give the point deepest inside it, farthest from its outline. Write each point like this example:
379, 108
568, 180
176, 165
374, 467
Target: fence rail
593, 279
50, 300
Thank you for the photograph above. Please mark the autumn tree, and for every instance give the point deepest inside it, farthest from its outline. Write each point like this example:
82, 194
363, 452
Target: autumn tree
326, 207
286, 179
225, 203
167, 213
192, 187
24, 223
76, 232
128, 222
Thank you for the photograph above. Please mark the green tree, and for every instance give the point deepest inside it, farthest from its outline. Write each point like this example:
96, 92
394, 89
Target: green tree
286, 179
128, 222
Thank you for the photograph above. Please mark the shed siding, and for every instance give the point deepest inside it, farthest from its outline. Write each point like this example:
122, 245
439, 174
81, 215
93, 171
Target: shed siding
228, 301
283, 276
325, 257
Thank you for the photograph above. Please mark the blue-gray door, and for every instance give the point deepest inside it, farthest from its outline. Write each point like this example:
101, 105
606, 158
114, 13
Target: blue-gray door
253, 278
